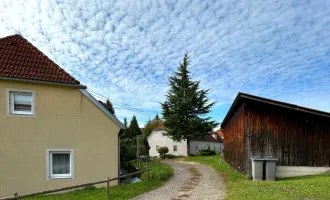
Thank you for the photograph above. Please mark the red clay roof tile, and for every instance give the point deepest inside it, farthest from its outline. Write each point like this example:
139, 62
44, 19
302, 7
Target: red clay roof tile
159, 128
20, 59
220, 133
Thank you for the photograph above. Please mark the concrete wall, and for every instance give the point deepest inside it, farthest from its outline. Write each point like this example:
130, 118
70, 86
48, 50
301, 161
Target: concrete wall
157, 138
64, 118
293, 171
200, 145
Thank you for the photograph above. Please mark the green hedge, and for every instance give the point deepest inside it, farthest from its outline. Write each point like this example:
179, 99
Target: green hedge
205, 152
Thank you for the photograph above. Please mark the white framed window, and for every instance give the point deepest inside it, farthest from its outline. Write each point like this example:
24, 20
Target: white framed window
59, 163
20, 102
157, 147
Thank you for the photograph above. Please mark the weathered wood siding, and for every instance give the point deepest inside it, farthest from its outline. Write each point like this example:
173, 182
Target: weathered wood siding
296, 138
234, 148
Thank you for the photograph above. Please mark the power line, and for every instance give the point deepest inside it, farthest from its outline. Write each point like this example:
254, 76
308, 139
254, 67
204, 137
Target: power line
121, 105
125, 107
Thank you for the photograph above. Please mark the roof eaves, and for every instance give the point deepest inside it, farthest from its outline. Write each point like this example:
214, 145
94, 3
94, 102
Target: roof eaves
150, 135
100, 106
225, 120
43, 82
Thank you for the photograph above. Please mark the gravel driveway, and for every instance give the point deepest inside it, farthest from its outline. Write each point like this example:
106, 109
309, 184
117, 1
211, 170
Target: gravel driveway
190, 181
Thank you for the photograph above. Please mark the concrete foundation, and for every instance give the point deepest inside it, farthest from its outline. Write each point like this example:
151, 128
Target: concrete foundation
293, 171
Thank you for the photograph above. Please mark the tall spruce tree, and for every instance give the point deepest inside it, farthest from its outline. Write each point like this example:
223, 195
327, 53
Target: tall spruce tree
125, 122
134, 129
129, 139
186, 106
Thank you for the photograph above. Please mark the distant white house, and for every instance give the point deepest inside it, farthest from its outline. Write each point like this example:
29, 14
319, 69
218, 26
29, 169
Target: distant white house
157, 139
212, 142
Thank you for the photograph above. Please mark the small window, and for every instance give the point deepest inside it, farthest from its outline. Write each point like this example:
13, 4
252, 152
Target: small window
60, 163
175, 148
157, 148
20, 103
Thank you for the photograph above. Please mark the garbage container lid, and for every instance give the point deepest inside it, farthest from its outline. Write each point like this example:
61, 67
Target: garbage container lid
271, 158
257, 158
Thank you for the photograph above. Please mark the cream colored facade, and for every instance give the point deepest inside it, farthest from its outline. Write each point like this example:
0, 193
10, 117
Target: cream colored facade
65, 118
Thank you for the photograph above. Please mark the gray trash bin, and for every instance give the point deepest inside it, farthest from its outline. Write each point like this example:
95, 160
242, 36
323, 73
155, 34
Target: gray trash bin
271, 168
257, 168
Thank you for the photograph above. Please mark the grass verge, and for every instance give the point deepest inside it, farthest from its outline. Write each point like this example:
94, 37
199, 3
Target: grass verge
239, 187
158, 175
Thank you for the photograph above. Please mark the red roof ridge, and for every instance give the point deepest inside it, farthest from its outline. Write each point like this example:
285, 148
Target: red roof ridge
11, 36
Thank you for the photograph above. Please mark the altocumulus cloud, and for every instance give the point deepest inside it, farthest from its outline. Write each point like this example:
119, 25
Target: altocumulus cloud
127, 49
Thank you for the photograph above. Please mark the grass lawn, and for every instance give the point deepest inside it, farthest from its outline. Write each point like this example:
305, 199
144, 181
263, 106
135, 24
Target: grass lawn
158, 175
239, 187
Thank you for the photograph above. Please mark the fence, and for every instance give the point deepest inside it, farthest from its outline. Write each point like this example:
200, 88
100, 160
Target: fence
108, 180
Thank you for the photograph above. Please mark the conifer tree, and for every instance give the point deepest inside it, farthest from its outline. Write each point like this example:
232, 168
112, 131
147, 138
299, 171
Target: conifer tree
125, 122
185, 107
133, 129
110, 107
129, 139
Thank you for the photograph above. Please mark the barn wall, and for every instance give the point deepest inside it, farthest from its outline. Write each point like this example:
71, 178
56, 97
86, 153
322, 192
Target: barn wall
296, 138
234, 149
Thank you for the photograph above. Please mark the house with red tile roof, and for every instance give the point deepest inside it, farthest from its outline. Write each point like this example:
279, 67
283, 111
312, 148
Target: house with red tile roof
219, 132
53, 132
158, 139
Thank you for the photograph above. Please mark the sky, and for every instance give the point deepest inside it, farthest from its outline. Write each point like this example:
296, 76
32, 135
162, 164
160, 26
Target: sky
126, 50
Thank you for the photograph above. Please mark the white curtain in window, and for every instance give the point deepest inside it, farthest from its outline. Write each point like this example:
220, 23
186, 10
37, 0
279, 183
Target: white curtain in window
22, 102
61, 163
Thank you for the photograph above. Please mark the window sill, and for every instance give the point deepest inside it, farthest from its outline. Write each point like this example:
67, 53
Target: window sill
60, 178
20, 115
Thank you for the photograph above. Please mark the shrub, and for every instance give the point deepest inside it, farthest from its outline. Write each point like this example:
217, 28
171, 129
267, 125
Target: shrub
170, 156
162, 151
158, 172
205, 152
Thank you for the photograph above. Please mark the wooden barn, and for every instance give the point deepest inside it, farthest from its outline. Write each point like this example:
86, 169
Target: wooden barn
297, 136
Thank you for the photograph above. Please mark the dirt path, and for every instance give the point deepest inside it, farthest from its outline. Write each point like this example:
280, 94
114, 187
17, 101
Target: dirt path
190, 181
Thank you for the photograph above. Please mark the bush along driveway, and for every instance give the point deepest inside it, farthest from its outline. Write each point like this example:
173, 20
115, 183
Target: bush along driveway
158, 175
241, 188
190, 181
